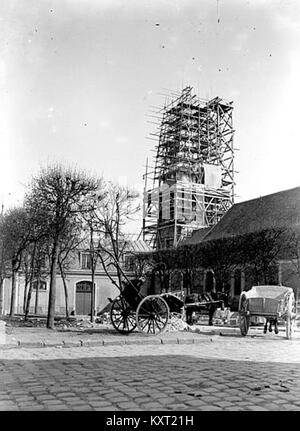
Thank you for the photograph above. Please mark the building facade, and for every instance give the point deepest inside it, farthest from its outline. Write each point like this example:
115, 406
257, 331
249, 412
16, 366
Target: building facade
79, 288
78, 284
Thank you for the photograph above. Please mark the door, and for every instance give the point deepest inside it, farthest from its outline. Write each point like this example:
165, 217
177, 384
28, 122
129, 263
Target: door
83, 297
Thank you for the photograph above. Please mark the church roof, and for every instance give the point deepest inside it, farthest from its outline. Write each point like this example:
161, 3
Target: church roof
196, 236
276, 210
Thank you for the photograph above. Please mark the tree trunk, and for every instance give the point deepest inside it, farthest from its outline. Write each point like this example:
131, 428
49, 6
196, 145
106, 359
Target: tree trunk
32, 271
13, 299
37, 295
28, 299
65, 288
1, 296
120, 278
25, 296
52, 289
93, 294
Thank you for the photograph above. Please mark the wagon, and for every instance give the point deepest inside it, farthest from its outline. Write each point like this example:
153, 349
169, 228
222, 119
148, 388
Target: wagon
148, 313
271, 302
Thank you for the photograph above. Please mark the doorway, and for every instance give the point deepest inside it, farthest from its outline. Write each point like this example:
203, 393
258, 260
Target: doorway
83, 297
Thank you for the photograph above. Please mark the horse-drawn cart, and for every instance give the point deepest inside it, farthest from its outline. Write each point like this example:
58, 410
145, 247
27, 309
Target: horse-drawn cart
270, 302
148, 313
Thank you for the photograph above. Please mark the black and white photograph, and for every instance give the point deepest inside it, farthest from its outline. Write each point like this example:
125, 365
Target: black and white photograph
150, 209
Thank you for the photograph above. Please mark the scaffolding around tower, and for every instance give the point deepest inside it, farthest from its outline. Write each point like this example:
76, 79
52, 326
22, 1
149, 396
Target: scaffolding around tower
191, 185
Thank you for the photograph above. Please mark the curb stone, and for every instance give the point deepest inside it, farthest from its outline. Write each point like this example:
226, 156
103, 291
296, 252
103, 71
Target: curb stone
113, 343
145, 341
169, 341
67, 344
80, 343
32, 345
91, 343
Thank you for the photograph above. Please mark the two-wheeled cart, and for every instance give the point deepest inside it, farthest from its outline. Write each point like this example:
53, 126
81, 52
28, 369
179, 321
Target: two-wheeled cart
148, 313
270, 302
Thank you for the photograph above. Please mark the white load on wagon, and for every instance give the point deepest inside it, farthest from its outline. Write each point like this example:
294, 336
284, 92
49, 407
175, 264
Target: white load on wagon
270, 302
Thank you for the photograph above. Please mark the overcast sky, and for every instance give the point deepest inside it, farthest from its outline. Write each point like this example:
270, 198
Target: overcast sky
77, 78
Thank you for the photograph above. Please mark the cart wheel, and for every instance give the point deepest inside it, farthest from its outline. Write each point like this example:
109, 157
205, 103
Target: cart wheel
291, 314
122, 316
244, 324
289, 327
244, 319
152, 315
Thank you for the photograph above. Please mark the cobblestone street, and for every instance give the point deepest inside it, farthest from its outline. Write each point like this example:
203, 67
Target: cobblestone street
218, 373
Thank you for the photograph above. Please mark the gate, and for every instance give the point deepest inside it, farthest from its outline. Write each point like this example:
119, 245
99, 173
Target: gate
83, 297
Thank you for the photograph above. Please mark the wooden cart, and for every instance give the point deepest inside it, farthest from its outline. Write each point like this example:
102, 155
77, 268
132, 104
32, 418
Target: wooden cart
148, 313
271, 302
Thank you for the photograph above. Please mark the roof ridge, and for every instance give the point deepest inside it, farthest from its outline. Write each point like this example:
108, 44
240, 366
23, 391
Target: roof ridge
266, 196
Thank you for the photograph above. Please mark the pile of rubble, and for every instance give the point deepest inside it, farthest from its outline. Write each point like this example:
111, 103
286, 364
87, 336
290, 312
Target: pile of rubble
83, 323
18, 321
177, 323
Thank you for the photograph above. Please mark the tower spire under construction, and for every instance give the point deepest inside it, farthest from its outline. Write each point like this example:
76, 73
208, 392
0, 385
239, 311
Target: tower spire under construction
192, 182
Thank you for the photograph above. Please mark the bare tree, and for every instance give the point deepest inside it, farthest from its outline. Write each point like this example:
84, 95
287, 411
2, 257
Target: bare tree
17, 234
30, 255
36, 270
59, 194
92, 236
71, 242
26, 271
111, 212
92, 250
4, 271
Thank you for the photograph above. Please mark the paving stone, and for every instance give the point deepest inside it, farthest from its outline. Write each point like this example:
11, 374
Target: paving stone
279, 401
208, 398
166, 400
232, 399
77, 381
212, 389
285, 407
212, 408
195, 403
128, 405
224, 404
100, 403
119, 399
150, 406
233, 409
176, 407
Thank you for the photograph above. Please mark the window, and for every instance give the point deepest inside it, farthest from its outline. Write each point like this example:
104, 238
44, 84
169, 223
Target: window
129, 263
84, 286
86, 262
42, 286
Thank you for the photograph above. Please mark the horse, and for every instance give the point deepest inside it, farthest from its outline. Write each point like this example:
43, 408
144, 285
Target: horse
210, 301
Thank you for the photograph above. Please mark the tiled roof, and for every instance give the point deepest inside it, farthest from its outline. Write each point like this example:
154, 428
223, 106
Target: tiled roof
138, 246
280, 209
